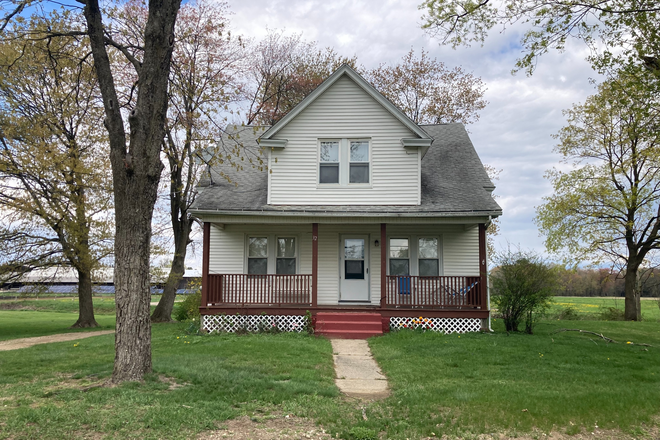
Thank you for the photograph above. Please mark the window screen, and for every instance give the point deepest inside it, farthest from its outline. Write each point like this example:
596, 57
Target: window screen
329, 162
359, 162
428, 257
257, 255
286, 256
399, 256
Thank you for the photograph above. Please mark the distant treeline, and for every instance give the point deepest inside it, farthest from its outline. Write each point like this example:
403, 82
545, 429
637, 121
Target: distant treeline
604, 282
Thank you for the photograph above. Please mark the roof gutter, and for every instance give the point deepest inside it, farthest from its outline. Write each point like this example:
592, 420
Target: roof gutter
489, 214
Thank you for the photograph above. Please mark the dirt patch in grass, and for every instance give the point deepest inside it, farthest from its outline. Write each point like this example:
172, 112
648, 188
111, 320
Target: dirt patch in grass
171, 382
600, 434
15, 344
15, 306
270, 427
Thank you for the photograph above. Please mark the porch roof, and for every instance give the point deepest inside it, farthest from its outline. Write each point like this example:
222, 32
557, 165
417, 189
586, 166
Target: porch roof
454, 183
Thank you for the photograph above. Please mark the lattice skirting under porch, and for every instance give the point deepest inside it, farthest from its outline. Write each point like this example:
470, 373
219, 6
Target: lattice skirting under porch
445, 325
253, 323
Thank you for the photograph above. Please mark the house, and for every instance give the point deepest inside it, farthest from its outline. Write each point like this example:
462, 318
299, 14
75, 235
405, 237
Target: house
363, 219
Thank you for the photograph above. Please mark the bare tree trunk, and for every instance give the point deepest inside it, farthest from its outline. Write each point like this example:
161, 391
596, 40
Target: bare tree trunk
633, 311
85, 303
132, 281
135, 174
163, 311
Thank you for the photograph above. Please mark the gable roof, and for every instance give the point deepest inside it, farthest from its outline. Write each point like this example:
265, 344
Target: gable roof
454, 183
346, 70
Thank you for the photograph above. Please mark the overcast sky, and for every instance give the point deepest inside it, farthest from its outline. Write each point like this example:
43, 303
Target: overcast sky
515, 131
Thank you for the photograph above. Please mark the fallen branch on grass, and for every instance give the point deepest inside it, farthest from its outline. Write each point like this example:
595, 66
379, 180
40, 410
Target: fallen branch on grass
585, 331
600, 335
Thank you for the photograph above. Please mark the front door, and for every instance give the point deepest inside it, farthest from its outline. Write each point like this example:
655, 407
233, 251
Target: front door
354, 270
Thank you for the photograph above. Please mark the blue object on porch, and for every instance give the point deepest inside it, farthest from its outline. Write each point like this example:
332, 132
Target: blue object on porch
404, 285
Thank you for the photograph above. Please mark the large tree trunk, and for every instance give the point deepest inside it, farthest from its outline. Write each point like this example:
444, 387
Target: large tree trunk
85, 304
163, 311
633, 310
135, 174
132, 280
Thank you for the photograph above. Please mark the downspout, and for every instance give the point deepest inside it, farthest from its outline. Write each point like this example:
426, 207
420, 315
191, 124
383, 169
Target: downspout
488, 277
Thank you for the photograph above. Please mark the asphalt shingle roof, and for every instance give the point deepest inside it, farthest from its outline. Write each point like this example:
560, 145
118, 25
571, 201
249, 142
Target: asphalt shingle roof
454, 182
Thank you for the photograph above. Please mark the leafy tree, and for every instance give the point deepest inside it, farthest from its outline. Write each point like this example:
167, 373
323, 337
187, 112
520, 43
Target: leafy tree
619, 32
428, 92
284, 70
522, 286
206, 65
55, 192
607, 206
494, 227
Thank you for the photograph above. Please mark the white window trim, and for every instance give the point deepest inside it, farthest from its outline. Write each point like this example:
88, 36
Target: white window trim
318, 162
410, 260
295, 252
413, 252
344, 163
247, 251
271, 251
439, 238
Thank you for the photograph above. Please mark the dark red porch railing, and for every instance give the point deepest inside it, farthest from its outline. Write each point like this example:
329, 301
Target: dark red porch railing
242, 289
446, 292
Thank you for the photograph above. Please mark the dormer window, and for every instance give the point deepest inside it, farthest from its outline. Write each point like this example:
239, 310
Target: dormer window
359, 162
344, 161
329, 162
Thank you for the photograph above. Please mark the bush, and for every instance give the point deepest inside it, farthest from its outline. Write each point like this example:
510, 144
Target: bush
568, 314
612, 314
523, 286
189, 307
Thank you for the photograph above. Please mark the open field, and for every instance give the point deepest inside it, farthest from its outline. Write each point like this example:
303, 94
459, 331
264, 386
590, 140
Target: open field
594, 307
441, 384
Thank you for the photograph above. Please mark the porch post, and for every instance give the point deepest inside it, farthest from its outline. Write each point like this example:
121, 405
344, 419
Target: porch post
315, 263
383, 265
205, 263
483, 266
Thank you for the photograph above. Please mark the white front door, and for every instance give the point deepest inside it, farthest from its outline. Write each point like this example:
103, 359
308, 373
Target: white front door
354, 270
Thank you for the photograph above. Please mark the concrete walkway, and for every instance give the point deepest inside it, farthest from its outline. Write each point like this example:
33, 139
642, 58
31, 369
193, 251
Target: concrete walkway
358, 374
14, 344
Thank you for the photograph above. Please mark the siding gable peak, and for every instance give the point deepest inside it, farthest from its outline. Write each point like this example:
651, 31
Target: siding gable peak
344, 70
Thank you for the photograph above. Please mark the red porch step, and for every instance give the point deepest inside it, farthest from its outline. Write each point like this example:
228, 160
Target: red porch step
348, 325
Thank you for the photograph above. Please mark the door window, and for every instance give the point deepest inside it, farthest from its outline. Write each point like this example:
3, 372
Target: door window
354, 259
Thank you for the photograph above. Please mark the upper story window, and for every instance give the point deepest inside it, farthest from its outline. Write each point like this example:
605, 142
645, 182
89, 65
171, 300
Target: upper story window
359, 162
329, 162
344, 161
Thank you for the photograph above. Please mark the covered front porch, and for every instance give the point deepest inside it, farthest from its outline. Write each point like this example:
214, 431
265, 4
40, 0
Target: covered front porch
394, 297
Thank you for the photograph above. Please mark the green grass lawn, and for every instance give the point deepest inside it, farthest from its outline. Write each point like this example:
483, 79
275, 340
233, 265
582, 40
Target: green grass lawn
592, 308
48, 391
24, 318
26, 323
480, 383
441, 384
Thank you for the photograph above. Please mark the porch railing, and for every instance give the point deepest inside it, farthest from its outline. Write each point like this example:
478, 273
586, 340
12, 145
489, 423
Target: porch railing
447, 292
243, 289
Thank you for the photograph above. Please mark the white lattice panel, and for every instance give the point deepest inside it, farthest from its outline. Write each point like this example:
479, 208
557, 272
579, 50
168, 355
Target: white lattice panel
253, 323
445, 325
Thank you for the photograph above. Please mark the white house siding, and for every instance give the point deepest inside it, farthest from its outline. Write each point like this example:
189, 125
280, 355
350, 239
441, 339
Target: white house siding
459, 246
227, 250
329, 248
344, 111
